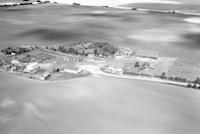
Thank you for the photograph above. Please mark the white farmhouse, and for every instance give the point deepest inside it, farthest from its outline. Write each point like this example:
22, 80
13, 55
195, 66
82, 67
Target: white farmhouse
119, 56
116, 68
31, 67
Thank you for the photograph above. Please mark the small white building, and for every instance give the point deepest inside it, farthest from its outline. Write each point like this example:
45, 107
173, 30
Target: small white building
31, 67
127, 52
13, 54
13, 69
35, 3
45, 76
117, 68
91, 56
119, 56
72, 69
15, 62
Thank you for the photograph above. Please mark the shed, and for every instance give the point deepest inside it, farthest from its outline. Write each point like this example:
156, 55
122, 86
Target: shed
72, 69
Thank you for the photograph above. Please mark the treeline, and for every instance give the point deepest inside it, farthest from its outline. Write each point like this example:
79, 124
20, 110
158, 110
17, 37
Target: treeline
26, 2
178, 79
194, 84
16, 50
86, 48
191, 84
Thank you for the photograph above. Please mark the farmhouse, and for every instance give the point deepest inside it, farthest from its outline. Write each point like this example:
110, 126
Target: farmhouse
117, 68
124, 52
31, 67
119, 56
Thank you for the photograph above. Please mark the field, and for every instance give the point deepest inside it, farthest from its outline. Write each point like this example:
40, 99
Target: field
51, 24
191, 7
96, 105
100, 104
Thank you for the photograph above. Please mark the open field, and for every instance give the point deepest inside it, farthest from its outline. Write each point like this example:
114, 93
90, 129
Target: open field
186, 7
96, 105
100, 104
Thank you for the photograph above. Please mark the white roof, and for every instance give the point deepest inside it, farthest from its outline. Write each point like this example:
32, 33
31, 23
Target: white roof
32, 66
15, 62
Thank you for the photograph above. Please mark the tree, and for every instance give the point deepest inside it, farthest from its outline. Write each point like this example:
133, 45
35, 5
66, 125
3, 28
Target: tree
171, 78
189, 85
184, 80
194, 86
53, 49
76, 4
62, 49
163, 75
197, 80
137, 64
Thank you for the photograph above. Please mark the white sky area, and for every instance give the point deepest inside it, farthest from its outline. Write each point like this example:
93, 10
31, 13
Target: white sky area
114, 3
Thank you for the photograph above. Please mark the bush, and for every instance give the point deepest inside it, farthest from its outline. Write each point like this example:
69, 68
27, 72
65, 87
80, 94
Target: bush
189, 85
184, 79
195, 86
62, 49
76, 4
137, 64
53, 49
197, 80
170, 78
163, 76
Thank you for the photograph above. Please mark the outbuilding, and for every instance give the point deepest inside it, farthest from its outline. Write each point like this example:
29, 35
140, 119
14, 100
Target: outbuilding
72, 69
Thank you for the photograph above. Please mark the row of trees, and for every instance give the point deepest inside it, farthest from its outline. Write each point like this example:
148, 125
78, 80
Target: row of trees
193, 85
25, 2
164, 76
16, 50
46, 1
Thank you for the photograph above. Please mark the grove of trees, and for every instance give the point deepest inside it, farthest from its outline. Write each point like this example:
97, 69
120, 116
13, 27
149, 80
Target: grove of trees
96, 48
15, 50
